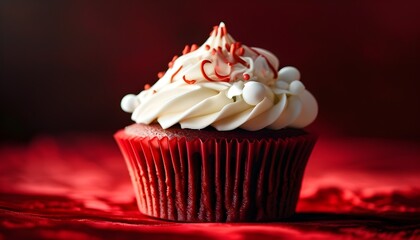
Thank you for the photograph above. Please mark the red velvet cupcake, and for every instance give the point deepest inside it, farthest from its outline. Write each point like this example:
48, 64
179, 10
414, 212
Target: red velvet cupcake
217, 138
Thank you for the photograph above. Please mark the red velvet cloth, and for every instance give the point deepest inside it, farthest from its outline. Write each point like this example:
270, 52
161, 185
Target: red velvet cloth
77, 187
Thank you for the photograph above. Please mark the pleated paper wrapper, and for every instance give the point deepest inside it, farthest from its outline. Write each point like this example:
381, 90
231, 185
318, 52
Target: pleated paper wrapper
216, 180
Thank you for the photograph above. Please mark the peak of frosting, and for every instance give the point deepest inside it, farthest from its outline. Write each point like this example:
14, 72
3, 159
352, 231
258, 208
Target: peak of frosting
225, 84
222, 59
219, 37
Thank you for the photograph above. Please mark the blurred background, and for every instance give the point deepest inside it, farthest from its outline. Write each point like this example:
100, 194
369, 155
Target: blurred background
65, 65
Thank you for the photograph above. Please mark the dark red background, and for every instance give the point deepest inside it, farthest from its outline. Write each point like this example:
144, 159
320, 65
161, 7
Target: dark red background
66, 64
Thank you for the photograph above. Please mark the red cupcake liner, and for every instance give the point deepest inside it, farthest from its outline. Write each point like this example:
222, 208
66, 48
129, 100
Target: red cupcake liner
216, 180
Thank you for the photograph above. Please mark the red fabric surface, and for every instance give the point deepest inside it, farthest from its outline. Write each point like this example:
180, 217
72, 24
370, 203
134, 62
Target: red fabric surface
77, 187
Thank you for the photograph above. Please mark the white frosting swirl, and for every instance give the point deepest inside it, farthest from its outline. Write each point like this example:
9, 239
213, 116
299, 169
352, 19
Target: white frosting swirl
226, 85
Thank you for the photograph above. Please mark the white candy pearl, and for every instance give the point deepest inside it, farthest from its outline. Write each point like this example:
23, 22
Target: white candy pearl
282, 85
129, 103
289, 74
296, 87
253, 92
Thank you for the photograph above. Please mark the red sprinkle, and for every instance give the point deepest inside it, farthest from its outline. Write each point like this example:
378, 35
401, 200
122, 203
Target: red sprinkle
246, 76
223, 30
160, 74
194, 47
186, 50
207, 47
232, 49
241, 51
214, 32
171, 63
188, 81
146, 86
175, 73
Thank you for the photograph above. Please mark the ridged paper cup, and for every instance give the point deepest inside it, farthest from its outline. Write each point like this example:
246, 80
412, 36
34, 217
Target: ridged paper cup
216, 177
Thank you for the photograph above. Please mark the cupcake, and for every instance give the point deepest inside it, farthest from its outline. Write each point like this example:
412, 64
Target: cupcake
218, 137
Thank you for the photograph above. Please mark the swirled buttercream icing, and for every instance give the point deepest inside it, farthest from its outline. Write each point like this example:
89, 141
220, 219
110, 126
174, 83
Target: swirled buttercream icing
227, 85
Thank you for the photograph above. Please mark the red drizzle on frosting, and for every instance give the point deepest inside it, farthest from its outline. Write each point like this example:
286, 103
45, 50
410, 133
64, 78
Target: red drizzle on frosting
221, 78
268, 62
